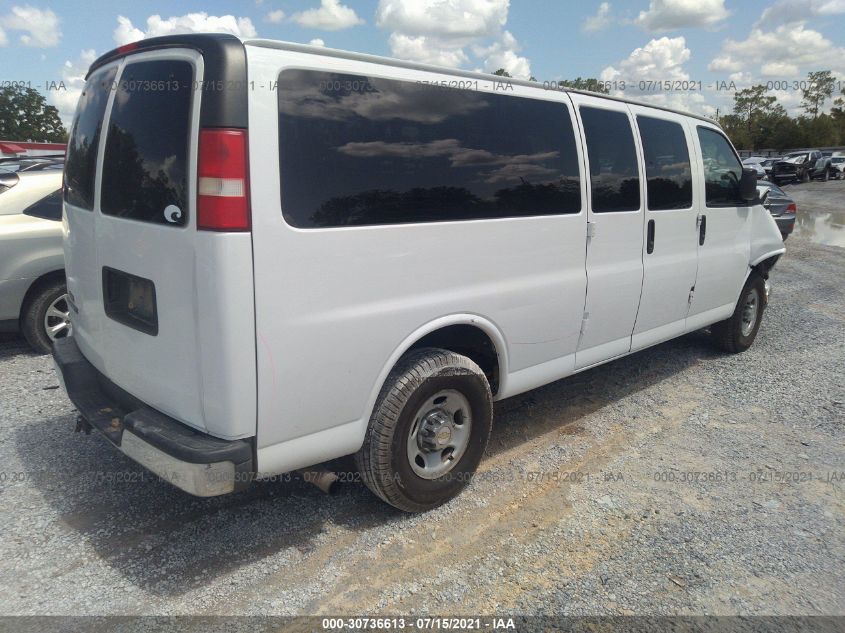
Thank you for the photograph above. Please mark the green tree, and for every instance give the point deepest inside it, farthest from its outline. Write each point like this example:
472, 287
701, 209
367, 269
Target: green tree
590, 84
820, 85
502, 73
25, 116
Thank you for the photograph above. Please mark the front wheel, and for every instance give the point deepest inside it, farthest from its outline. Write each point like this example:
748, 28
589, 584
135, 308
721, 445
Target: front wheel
428, 430
737, 333
826, 175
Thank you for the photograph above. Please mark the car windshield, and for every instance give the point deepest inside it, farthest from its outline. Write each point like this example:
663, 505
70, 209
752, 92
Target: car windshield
796, 158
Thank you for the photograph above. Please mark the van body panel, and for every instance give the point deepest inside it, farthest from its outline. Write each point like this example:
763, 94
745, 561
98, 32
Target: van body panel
723, 258
669, 271
365, 289
201, 282
614, 257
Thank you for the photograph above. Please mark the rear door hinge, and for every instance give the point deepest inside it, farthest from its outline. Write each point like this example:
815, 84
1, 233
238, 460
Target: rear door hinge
691, 295
591, 229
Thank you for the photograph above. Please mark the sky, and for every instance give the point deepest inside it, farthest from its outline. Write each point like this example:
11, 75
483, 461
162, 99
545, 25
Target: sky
715, 42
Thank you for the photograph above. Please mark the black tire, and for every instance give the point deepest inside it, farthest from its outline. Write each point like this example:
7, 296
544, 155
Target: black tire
728, 334
805, 176
384, 462
35, 311
826, 175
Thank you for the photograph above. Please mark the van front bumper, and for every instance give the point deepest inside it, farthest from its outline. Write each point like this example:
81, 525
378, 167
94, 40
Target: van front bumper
197, 463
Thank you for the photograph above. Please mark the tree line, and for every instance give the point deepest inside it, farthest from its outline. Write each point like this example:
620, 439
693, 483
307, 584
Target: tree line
758, 121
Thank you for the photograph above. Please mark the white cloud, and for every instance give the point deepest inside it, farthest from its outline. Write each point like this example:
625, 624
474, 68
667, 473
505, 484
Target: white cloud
440, 32
454, 20
782, 53
601, 20
503, 54
317, 42
793, 11
40, 27
667, 15
275, 17
660, 59
190, 23
73, 76
331, 16
429, 50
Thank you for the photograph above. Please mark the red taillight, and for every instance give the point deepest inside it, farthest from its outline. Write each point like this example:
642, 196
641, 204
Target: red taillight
127, 48
792, 208
222, 181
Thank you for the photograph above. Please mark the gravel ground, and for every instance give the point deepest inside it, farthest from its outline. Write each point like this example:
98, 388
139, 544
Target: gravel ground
675, 481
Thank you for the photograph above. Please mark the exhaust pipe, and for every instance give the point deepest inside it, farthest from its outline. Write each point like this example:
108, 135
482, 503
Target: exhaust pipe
325, 480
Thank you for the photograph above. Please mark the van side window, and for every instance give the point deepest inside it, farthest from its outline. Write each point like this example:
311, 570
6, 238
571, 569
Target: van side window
722, 170
145, 164
357, 150
84, 142
614, 174
667, 166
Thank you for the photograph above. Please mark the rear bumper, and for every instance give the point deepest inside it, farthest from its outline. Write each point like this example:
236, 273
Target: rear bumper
786, 224
197, 463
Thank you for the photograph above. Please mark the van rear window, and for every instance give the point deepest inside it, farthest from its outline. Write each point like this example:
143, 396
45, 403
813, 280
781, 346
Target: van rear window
81, 159
357, 150
145, 165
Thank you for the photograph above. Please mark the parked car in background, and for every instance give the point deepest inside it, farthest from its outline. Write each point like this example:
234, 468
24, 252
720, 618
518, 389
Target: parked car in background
801, 166
33, 298
767, 165
35, 163
755, 163
837, 167
779, 204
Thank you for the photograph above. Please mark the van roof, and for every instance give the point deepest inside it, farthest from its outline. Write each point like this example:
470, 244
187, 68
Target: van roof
195, 40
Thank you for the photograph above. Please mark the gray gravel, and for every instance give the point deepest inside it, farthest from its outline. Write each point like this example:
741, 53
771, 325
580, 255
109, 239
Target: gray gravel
675, 481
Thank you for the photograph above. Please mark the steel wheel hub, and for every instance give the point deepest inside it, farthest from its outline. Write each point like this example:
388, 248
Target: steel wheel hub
439, 434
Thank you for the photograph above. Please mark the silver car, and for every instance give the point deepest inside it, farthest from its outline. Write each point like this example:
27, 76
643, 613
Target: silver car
33, 297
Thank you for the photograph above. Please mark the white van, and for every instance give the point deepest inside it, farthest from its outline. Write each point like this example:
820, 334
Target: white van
279, 254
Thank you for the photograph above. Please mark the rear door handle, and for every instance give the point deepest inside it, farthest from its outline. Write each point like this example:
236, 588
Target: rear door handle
649, 244
702, 230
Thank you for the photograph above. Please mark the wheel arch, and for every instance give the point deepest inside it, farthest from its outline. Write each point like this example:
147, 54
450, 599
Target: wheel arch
36, 285
441, 332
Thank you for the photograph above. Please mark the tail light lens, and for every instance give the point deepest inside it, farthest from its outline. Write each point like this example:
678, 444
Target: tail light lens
223, 181
791, 208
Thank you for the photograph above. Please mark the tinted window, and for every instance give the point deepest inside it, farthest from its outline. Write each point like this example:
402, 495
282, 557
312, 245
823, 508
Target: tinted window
667, 166
48, 208
614, 177
722, 170
359, 150
81, 159
145, 166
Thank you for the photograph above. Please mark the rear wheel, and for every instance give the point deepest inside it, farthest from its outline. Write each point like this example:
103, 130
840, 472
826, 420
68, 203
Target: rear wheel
46, 317
826, 175
737, 333
428, 430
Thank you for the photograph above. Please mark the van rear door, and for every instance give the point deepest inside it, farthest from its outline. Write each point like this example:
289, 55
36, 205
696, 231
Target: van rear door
163, 309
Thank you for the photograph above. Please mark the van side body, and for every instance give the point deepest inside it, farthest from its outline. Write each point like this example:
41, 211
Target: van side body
391, 207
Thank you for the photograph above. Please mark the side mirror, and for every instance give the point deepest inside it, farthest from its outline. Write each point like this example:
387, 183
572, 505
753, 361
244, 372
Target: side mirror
748, 185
